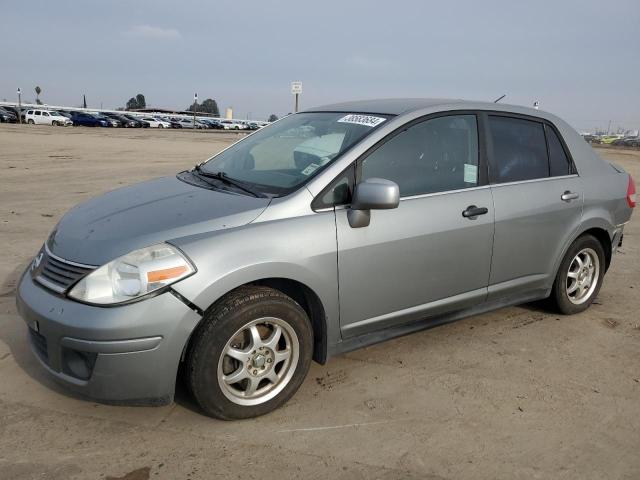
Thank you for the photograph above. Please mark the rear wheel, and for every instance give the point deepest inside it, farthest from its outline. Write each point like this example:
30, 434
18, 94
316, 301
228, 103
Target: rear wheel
31, 122
250, 355
580, 276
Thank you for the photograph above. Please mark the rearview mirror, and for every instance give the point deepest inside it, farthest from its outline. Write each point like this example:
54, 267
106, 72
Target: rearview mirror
372, 194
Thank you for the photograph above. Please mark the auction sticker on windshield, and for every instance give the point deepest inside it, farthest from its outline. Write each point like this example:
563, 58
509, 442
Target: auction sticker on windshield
366, 120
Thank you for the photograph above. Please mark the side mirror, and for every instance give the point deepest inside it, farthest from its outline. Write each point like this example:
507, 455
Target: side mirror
372, 194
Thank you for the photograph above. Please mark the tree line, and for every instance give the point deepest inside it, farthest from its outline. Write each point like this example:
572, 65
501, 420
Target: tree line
207, 106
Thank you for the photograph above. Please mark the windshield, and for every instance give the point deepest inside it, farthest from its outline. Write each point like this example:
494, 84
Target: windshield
279, 158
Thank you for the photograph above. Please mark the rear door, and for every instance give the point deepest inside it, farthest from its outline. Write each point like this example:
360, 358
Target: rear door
537, 197
425, 257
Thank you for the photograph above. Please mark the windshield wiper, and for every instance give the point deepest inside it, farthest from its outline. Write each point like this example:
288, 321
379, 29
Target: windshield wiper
223, 177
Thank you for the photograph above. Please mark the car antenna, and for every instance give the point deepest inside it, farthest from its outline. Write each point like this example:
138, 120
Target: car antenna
499, 98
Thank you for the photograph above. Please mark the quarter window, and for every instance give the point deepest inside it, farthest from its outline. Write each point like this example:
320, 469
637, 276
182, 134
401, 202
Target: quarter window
519, 149
558, 162
436, 155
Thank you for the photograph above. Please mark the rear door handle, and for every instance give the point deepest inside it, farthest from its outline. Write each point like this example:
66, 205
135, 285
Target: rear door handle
568, 196
472, 211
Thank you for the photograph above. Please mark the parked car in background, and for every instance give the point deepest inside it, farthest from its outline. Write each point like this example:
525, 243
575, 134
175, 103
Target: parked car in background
111, 122
46, 117
138, 123
65, 113
186, 123
175, 123
591, 138
625, 142
608, 139
232, 125
142, 123
86, 120
62, 119
156, 122
122, 120
240, 271
7, 116
23, 113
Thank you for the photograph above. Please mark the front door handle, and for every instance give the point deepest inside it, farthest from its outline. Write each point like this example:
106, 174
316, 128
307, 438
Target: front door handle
568, 196
472, 211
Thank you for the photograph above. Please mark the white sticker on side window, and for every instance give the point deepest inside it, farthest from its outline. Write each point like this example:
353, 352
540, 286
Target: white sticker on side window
366, 120
470, 173
312, 167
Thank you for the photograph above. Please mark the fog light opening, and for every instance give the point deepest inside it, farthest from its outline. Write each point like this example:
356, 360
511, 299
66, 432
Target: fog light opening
78, 364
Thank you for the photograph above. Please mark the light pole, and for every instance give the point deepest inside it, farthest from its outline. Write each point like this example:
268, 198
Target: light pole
195, 107
19, 105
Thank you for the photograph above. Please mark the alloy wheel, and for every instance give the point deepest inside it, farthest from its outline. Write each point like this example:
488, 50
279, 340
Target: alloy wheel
258, 361
582, 276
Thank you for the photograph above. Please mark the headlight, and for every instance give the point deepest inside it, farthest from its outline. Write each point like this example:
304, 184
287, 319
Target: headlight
133, 275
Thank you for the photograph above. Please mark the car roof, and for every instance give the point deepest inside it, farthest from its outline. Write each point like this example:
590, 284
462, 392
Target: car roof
401, 106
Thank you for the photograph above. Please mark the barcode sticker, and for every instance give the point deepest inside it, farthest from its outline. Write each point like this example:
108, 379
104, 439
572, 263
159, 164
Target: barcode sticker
366, 120
312, 167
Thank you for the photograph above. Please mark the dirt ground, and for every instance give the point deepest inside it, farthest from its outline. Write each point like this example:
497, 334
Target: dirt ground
515, 394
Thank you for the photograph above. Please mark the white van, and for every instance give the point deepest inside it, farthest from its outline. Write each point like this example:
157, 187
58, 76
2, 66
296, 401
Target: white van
46, 117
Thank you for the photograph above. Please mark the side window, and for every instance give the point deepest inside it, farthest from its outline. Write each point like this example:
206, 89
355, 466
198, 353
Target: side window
519, 149
558, 162
45, 114
37, 112
435, 155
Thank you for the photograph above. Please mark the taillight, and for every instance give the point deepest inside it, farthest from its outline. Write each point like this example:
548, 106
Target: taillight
631, 193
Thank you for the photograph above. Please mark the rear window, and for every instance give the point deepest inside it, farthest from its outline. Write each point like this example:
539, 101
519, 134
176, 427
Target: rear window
519, 149
559, 163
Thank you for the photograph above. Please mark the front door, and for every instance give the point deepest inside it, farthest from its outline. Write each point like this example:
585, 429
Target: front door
429, 255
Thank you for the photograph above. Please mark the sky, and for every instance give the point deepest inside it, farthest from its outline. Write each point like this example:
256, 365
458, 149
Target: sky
579, 59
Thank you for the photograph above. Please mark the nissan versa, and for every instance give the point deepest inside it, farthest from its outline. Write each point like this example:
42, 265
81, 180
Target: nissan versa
329, 230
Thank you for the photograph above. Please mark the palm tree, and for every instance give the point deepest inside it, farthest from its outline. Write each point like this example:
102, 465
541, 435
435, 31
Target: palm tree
38, 92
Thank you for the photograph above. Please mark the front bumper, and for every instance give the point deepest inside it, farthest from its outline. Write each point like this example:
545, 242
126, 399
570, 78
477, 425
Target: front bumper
125, 354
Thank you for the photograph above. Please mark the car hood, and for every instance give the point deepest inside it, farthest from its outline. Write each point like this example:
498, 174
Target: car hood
106, 227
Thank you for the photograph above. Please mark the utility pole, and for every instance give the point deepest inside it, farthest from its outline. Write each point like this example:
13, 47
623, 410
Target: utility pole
195, 107
19, 105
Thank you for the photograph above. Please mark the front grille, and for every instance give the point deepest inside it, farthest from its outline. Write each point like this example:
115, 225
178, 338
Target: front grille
58, 274
39, 344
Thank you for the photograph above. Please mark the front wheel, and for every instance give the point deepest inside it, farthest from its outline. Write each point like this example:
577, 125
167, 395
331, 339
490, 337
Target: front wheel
580, 276
250, 354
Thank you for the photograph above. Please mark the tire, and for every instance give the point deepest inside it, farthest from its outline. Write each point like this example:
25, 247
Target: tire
160, 125
231, 326
577, 284
31, 122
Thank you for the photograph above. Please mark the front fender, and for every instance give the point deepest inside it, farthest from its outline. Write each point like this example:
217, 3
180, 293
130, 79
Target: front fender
302, 249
